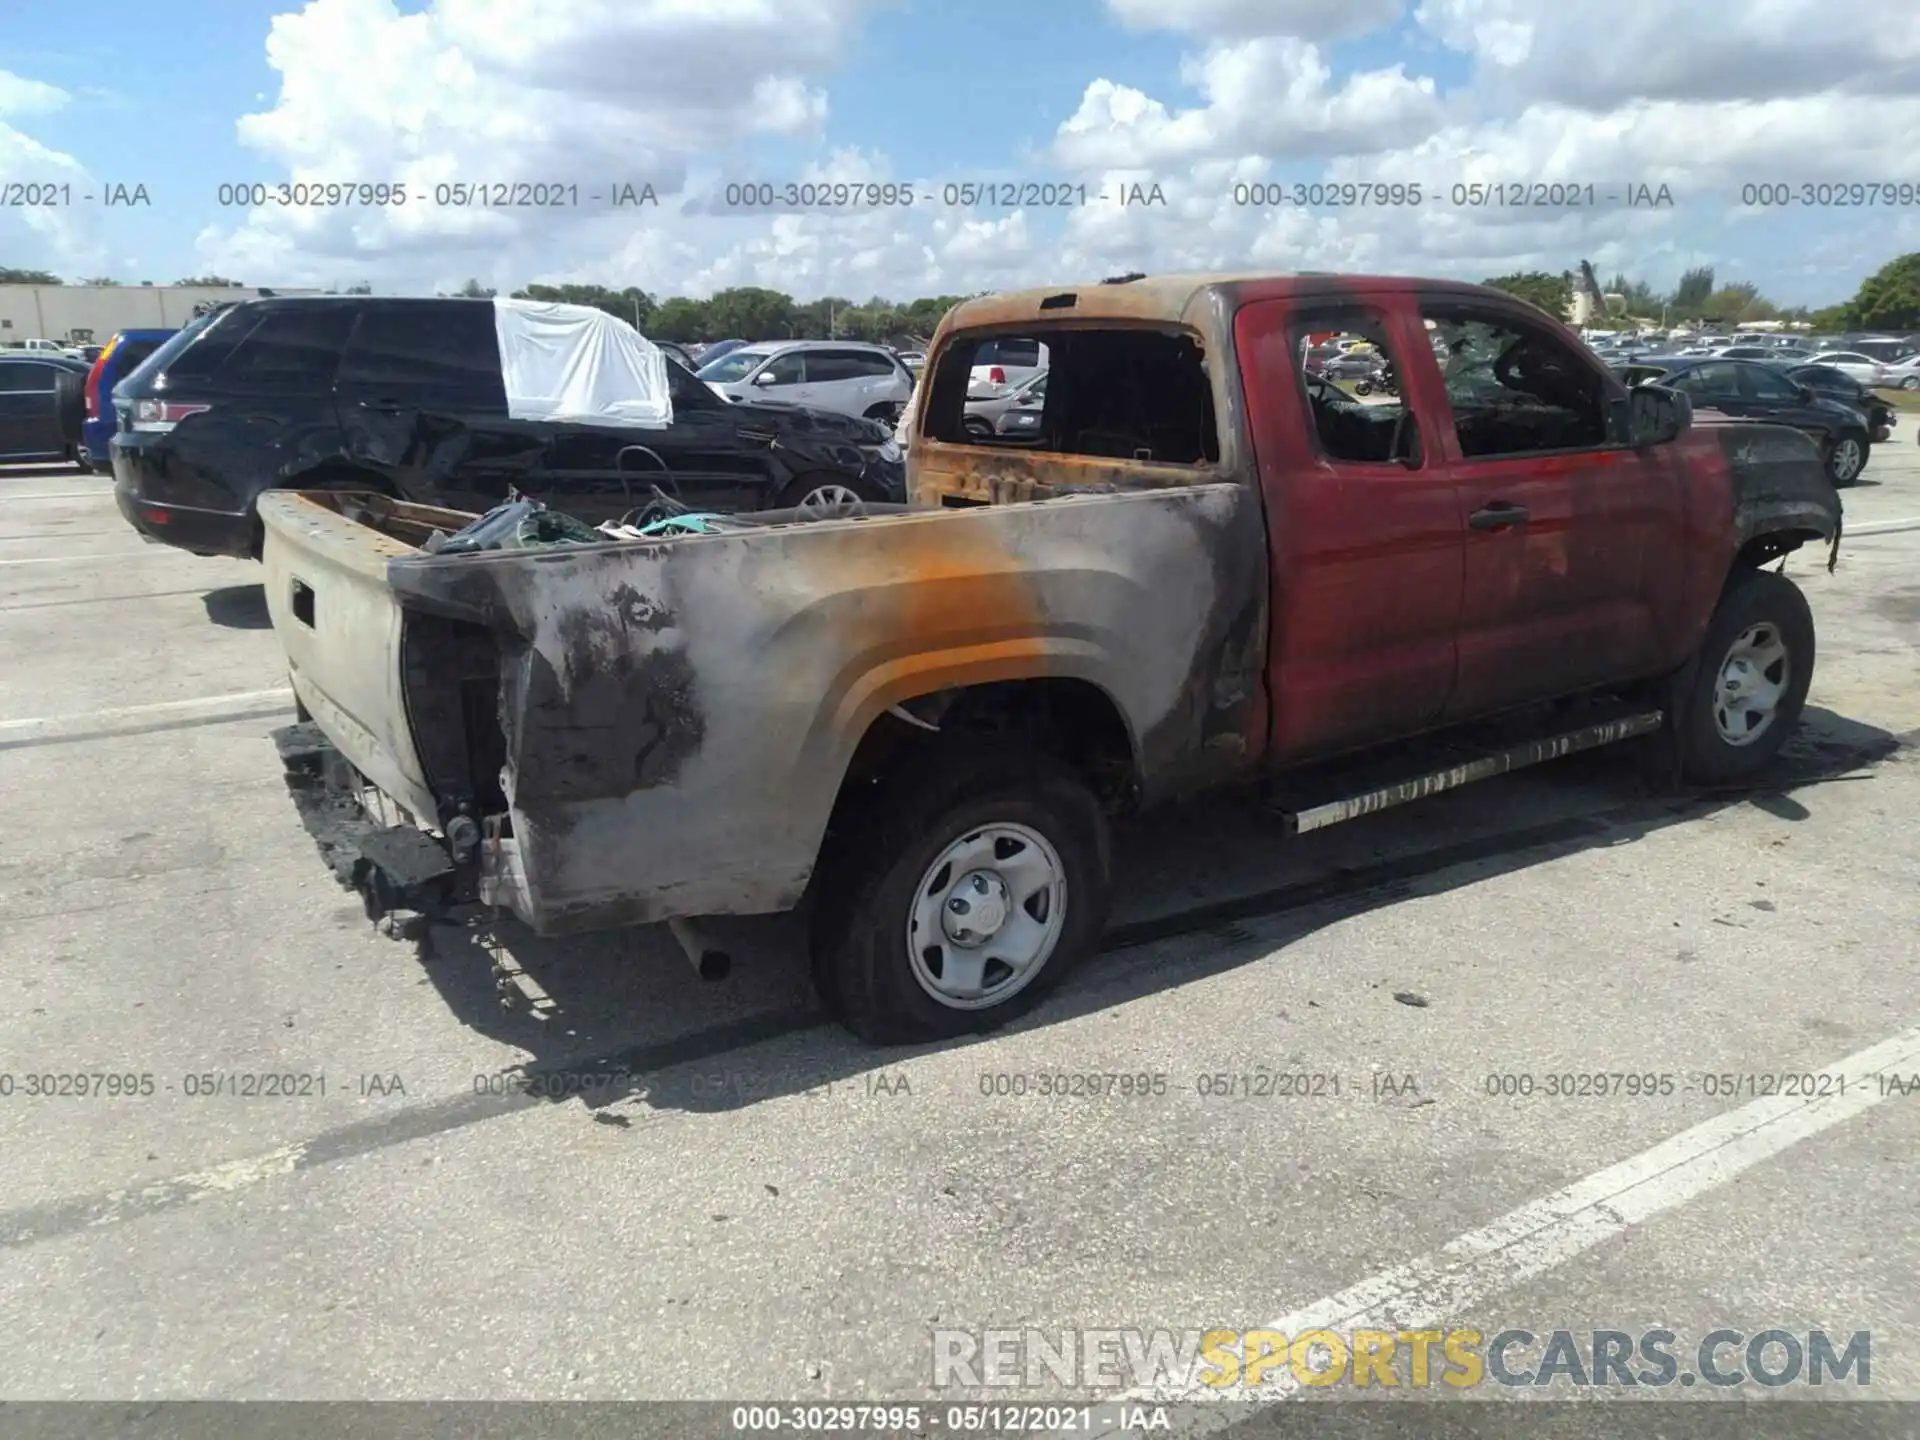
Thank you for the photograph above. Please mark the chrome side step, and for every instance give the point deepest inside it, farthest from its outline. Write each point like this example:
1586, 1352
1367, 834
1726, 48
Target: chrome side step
1518, 757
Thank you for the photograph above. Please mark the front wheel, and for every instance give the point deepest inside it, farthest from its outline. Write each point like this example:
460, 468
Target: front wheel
1910, 382
1750, 684
965, 893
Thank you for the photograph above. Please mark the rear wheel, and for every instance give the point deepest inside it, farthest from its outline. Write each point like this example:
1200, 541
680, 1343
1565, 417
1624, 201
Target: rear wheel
1750, 684
964, 893
977, 428
83, 461
888, 412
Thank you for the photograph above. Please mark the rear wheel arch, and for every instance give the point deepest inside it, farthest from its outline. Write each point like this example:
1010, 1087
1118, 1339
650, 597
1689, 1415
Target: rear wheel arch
1071, 719
340, 475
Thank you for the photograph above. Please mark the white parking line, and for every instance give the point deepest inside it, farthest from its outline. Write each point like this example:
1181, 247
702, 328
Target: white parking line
1882, 527
76, 559
1438, 1288
60, 495
140, 714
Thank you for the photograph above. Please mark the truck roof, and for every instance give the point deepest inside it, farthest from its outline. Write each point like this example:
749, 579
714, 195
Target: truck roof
1171, 298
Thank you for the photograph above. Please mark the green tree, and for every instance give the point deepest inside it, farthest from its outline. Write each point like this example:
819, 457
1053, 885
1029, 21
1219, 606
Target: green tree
683, 321
1551, 293
1889, 299
101, 280
363, 288
220, 280
1692, 293
1736, 304
749, 312
474, 290
28, 277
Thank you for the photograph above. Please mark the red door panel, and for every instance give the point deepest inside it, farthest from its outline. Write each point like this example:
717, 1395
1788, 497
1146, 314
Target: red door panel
1366, 558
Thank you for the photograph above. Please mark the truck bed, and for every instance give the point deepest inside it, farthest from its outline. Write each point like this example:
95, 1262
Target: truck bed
659, 728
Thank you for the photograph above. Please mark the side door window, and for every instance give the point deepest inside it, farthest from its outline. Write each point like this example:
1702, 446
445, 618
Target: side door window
785, 371
1763, 387
1710, 383
1374, 428
423, 349
1514, 388
295, 349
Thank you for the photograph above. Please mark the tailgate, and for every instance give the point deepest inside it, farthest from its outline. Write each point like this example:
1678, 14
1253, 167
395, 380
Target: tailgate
340, 625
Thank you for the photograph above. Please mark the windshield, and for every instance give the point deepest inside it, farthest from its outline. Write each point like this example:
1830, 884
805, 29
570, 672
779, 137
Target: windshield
170, 348
734, 365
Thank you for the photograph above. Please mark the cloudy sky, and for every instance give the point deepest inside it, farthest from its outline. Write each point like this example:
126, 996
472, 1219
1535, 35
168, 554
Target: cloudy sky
1205, 99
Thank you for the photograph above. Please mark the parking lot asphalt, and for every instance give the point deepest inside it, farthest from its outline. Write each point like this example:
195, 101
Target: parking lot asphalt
756, 1207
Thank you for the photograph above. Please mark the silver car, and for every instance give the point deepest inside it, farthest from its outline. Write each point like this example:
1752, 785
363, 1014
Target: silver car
983, 417
852, 379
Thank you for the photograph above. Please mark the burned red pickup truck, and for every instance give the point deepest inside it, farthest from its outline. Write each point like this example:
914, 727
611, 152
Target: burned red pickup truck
1202, 565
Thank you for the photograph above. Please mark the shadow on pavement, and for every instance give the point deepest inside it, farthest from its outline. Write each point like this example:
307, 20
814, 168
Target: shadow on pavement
238, 607
632, 1024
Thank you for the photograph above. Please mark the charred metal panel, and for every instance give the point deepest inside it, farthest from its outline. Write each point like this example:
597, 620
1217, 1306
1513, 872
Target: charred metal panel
1778, 481
678, 716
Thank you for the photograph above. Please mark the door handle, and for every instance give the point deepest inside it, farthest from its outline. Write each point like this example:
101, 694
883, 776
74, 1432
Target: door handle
1498, 516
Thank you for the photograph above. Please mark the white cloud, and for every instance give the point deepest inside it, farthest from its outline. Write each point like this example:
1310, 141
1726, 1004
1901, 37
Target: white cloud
65, 228
1595, 53
21, 96
590, 94
1269, 95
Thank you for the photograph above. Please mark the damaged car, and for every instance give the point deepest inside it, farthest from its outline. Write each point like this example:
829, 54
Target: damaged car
1206, 566
461, 404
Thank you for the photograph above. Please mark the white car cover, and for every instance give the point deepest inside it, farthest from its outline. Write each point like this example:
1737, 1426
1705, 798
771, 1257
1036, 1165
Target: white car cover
576, 363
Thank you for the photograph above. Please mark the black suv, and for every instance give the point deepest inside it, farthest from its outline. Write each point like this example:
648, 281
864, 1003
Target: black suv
406, 397
1758, 390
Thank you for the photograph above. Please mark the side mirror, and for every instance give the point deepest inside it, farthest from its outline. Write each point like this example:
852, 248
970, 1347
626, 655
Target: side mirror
1657, 415
765, 377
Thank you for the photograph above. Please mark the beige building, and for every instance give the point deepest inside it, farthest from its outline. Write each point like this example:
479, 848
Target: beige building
60, 312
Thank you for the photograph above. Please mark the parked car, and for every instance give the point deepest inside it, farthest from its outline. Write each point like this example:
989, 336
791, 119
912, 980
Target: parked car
923, 722
707, 354
409, 397
1004, 363
914, 360
118, 358
1886, 349
42, 406
39, 346
1857, 363
838, 375
679, 354
1748, 352
1838, 385
983, 416
1751, 390
1902, 374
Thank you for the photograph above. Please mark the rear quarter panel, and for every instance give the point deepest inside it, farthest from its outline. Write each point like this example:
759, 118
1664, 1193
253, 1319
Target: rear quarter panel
679, 715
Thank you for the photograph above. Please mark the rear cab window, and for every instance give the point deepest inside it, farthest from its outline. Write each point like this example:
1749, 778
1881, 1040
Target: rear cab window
1113, 392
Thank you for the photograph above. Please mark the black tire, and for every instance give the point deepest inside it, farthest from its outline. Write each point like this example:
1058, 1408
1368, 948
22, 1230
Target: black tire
871, 873
976, 428
887, 412
1363, 387
802, 486
1753, 600
70, 403
1845, 465
83, 461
